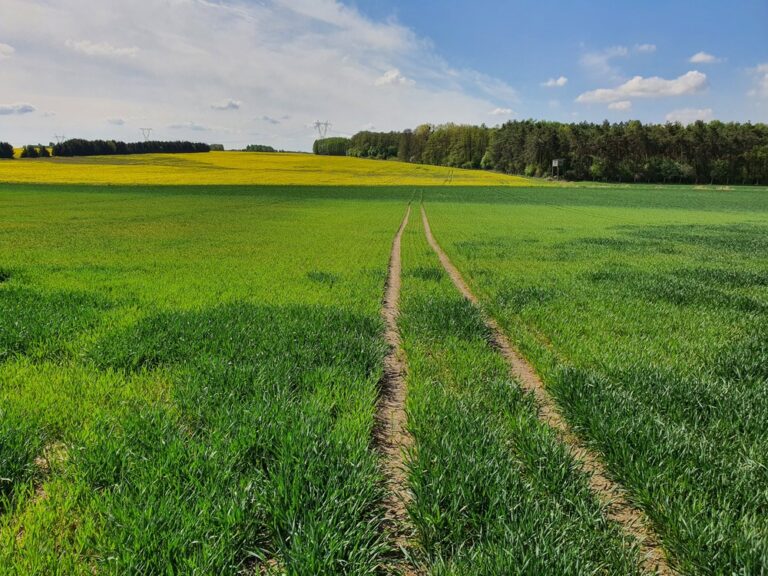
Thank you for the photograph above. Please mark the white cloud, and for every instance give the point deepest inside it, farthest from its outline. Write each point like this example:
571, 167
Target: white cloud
690, 115
193, 126
6, 51
227, 105
760, 77
620, 105
116, 121
307, 59
101, 49
645, 48
704, 58
599, 63
10, 109
501, 112
393, 76
652, 87
556, 82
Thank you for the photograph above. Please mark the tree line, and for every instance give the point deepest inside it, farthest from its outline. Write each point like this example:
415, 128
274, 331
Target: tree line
80, 147
701, 152
259, 148
6, 150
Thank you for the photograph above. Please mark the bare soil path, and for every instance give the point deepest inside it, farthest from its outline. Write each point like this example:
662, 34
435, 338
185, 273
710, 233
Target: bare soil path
390, 434
618, 508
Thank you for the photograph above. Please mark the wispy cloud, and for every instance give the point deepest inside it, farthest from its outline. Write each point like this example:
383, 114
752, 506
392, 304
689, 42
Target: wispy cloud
318, 59
270, 120
11, 109
704, 58
101, 49
501, 112
194, 126
555, 82
620, 105
227, 105
690, 115
652, 87
600, 63
116, 121
760, 78
645, 48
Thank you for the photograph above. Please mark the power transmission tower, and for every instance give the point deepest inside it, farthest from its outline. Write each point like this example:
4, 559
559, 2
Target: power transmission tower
322, 128
59, 138
146, 132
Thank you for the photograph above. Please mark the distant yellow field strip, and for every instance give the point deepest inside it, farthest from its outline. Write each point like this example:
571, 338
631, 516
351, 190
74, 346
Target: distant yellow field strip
243, 168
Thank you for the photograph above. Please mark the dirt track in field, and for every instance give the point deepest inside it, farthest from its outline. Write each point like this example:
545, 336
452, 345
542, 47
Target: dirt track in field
618, 508
390, 434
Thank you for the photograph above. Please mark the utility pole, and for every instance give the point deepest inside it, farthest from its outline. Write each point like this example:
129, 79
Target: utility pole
322, 128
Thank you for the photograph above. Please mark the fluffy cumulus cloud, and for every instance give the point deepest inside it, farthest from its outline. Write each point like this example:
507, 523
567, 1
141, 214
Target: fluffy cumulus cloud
704, 58
18, 109
302, 60
501, 112
556, 82
651, 87
760, 77
393, 77
227, 105
6, 51
690, 115
620, 105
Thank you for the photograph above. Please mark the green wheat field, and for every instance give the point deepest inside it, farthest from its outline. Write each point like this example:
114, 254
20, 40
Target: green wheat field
189, 375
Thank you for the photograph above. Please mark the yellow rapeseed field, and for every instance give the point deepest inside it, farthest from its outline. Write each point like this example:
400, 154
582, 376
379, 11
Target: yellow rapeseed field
243, 168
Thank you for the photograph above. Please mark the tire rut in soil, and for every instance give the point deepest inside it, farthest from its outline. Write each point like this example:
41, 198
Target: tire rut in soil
618, 509
390, 435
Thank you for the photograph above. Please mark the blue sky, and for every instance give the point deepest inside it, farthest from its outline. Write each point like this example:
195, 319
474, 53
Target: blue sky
526, 42
263, 71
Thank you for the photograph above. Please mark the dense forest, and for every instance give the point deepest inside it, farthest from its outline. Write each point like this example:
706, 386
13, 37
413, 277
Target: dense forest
79, 147
714, 152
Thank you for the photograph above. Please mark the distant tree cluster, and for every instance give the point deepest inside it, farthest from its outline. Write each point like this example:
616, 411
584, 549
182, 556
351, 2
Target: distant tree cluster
217, 147
79, 147
38, 151
714, 152
336, 146
259, 148
378, 145
6, 150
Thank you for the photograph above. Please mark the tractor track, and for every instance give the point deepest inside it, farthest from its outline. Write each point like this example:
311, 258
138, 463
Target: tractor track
618, 508
390, 435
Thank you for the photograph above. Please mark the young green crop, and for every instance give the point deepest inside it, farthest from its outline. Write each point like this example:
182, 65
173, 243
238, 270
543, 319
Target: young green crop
645, 310
188, 379
494, 491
